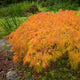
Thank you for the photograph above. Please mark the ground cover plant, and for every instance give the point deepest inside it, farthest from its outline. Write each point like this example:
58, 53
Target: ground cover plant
45, 37
9, 24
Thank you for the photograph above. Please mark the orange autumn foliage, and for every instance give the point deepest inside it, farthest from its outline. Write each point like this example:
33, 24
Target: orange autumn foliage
45, 37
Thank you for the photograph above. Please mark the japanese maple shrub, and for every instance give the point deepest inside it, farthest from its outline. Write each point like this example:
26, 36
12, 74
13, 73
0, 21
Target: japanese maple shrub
45, 37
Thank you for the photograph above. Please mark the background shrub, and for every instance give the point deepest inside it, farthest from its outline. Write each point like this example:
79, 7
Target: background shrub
45, 37
32, 9
62, 4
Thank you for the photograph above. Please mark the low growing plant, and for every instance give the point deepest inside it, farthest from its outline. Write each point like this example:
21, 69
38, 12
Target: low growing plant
45, 37
8, 25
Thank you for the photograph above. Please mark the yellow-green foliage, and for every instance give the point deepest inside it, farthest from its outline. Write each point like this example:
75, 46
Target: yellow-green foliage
45, 37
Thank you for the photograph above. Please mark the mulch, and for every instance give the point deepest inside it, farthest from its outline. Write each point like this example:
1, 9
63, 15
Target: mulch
6, 64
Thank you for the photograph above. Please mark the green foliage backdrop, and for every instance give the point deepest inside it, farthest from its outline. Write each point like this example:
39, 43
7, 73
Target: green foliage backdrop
53, 1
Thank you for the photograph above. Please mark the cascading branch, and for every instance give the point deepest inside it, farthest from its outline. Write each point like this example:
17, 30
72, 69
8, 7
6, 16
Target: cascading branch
45, 37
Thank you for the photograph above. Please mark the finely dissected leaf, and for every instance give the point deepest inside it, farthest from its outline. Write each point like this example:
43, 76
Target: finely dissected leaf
45, 37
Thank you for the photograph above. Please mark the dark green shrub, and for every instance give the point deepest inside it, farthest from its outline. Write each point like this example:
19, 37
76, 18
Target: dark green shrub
62, 4
32, 9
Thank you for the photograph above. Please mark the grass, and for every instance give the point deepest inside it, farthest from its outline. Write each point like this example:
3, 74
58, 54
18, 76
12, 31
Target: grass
7, 25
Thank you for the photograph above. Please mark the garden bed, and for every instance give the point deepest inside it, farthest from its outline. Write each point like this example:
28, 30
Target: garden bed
6, 64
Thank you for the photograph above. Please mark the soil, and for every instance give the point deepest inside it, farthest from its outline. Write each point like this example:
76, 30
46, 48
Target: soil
6, 64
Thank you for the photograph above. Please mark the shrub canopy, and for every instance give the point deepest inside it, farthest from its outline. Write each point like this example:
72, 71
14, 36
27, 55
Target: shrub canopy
45, 37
